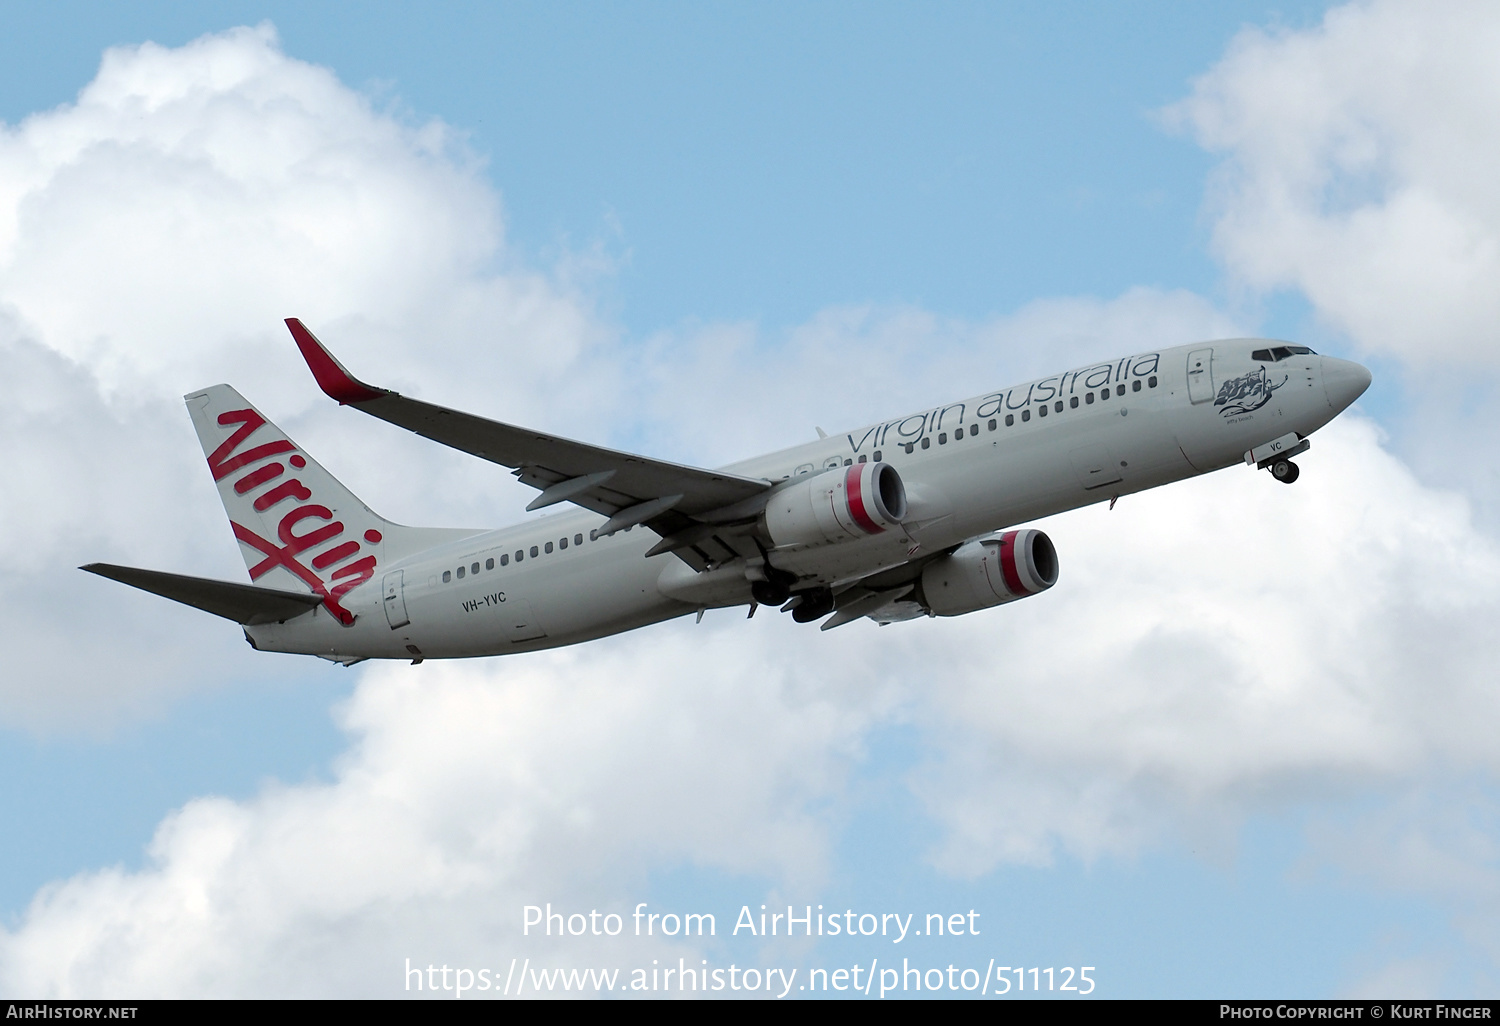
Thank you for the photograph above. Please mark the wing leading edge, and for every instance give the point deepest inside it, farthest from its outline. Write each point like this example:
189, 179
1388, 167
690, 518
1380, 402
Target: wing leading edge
695, 511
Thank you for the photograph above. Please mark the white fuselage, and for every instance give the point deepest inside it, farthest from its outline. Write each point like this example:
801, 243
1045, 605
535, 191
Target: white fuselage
970, 468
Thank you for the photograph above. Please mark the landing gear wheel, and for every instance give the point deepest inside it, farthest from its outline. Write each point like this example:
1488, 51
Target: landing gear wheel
815, 605
770, 593
1285, 471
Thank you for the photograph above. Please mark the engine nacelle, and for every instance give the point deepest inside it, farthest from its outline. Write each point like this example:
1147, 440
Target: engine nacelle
988, 571
837, 505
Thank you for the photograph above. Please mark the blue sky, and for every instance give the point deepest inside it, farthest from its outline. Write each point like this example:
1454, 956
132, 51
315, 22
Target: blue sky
674, 171
766, 162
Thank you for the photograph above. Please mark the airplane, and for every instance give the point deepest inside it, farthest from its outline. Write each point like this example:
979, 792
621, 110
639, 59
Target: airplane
909, 517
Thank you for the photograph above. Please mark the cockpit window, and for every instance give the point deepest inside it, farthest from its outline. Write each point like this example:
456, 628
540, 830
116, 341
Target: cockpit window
1280, 353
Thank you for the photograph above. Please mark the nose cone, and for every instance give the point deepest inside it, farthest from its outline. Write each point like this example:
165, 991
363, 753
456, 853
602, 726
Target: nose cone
1344, 381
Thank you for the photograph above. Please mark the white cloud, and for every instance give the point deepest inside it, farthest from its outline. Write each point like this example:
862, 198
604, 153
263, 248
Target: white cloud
154, 233
1359, 171
152, 236
1221, 647
471, 790
87, 480
717, 393
1331, 638
159, 228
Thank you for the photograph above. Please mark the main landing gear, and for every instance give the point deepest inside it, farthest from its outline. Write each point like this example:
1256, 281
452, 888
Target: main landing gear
775, 589
1285, 471
812, 605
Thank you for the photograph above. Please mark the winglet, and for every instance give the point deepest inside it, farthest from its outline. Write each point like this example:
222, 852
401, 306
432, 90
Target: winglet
335, 382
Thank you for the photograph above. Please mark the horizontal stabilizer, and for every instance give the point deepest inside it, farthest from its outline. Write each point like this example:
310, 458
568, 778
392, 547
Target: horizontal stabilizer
243, 603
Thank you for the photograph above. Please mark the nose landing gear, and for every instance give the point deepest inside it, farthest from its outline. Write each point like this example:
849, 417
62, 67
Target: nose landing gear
1276, 456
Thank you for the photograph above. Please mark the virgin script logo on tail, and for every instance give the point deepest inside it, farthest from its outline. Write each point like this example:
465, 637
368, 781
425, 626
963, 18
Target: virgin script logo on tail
226, 461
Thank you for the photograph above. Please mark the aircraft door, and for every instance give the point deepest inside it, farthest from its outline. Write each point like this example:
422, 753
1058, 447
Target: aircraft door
395, 600
1200, 375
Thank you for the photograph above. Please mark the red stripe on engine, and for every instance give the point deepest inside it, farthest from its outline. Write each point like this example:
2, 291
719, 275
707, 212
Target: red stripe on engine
852, 480
1008, 563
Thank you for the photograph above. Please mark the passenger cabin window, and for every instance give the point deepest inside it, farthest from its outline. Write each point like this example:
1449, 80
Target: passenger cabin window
864, 459
460, 573
1120, 389
877, 455
1010, 419
562, 543
505, 559
533, 551
520, 555
1042, 410
1135, 386
927, 443
1104, 394
1025, 415
593, 536
992, 425
578, 539
474, 569
1089, 398
447, 576
942, 438
489, 564
1151, 381
973, 430
1057, 406
549, 548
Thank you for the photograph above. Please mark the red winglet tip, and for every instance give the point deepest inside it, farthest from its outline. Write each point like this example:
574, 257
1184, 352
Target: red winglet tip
330, 375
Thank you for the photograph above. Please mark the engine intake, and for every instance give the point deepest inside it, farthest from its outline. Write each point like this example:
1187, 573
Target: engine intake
989, 571
837, 505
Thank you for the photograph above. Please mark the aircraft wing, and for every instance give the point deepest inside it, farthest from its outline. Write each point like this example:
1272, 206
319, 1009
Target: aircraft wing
685, 505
